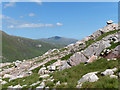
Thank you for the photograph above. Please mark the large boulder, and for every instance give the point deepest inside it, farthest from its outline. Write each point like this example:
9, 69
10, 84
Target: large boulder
52, 68
44, 76
109, 72
42, 70
115, 53
90, 77
76, 59
109, 22
93, 58
65, 66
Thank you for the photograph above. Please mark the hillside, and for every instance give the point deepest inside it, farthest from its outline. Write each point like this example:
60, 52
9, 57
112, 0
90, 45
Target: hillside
59, 40
92, 62
18, 48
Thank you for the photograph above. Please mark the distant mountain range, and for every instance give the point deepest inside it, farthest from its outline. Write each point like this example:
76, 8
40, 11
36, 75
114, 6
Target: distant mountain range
59, 40
20, 48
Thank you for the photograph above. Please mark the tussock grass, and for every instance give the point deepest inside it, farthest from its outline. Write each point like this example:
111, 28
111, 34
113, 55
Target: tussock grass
73, 74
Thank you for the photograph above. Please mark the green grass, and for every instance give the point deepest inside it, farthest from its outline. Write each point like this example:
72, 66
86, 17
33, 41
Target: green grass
103, 82
113, 45
50, 62
72, 75
28, 81
66, 57
19, 48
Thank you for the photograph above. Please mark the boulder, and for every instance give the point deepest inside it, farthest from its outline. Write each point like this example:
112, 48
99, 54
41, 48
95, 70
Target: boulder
17, 86
76, 59
114, 76
35, 83
42, 85
44, 76
7, 76
42, 70
108, 72
90, 77
109, 22
58, 83
65, 66
93, 58
3, 82
52, 68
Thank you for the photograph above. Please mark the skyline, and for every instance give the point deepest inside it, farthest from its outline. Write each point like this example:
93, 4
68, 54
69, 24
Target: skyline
65, 19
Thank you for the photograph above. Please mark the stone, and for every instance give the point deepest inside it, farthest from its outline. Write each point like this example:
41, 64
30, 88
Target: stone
40, 87
76, 59
44, 76
52, 68
3, 82
114, 76
42, 84
93, 58
35, 83
90, 77
7, 76
107, 72
64, 66
42, 70
17, 86
109, 22
58, 83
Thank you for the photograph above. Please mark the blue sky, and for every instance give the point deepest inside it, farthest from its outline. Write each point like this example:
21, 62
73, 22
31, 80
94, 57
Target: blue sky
65, 19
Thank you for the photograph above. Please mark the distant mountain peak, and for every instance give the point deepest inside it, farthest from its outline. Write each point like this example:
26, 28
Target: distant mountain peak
56, 37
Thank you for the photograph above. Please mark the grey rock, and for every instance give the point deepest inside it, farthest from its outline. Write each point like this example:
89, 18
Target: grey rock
44, 76
90, 77
109, 22
114, 76
109, 72
65, 66
76, 59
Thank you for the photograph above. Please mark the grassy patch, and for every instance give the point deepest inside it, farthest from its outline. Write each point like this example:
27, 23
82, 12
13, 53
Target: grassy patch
103, 82
50, 62
66, 57
72, 75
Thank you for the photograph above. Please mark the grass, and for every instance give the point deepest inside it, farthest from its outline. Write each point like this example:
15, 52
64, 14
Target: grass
50, 62
113, 45
103, 82
66, 57
72, 75
19, 48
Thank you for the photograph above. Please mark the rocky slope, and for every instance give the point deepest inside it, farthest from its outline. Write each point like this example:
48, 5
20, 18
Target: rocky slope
94, 59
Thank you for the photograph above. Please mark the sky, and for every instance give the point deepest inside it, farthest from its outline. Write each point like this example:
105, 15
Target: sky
66, 19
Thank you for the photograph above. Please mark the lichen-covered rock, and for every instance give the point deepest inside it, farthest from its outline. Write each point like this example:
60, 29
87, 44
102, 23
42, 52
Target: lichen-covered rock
64, 66
77, 58
114, 76
109, 72
90, 77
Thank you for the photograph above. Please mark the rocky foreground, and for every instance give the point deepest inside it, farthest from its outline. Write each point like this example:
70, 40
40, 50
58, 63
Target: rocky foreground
39, 72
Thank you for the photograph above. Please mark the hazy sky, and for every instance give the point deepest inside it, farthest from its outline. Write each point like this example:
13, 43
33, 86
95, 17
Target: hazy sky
65, 19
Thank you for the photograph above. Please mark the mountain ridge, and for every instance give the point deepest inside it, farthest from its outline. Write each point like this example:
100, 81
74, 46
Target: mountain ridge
59, 40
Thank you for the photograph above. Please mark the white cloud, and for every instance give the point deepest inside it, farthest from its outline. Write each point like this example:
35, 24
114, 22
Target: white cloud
31, 14
37, 1
59, 24
31, 25
11, 26
21, 16
10, 4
